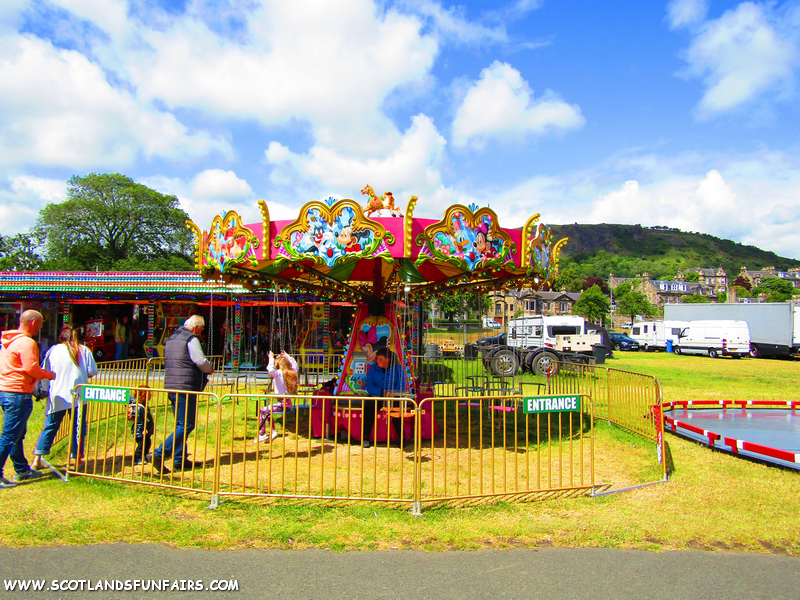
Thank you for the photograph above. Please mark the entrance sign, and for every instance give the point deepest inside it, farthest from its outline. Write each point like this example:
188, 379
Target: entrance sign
548, 404
104, 393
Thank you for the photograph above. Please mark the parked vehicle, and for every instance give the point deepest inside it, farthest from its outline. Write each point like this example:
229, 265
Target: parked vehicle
489, 323
774, 326
653, 335
621, 341
714, 338
494, 340
538, 343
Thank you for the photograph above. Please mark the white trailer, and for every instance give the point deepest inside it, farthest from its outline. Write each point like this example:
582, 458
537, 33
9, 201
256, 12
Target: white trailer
545, 332
653, 335
774, 326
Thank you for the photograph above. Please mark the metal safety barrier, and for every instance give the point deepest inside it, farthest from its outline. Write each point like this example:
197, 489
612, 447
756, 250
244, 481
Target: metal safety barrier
485, 442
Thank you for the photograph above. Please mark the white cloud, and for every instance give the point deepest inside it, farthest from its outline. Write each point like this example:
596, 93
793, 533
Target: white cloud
686, 12
740, 56
25, 197
216, 184
413, 167
452, 24
501, 106
57, 108
331, 64
752, 199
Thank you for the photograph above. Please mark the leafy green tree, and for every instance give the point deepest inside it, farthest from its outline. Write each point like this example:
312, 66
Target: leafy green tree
110, 222
693, 277
722, 297
695, 299
779, 290
592, 305
635, 303
20, 252
477, 304
622, 289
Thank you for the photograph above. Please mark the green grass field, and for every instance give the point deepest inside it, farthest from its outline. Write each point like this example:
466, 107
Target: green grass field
712, 501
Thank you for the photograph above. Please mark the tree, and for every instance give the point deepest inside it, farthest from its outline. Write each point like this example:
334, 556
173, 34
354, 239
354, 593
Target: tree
601, 283
477, 304
19, 252
635, 303
695, 299
778, 290
464, 303
742, 282
592, 305
110, 222
693, 276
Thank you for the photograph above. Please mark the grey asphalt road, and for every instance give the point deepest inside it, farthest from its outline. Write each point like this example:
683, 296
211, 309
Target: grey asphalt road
549, 573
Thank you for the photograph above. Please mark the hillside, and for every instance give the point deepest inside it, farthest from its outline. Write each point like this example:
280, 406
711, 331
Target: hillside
630, 250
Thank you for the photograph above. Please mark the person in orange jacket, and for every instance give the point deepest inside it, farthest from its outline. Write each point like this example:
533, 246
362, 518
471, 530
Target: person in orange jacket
19, 371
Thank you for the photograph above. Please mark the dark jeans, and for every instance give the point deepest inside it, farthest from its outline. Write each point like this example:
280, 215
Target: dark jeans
52, 423
184, 406
17, 408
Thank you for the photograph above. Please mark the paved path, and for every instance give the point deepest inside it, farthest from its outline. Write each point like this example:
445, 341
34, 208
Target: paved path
553, 574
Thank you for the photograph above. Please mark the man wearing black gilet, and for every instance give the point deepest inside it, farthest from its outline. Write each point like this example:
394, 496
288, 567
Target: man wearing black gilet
185, 368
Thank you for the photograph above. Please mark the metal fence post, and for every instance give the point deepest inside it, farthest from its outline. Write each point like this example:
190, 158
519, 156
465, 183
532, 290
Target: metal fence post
416, 488
217, 456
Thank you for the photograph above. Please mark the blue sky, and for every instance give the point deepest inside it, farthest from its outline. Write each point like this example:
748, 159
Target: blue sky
682, 113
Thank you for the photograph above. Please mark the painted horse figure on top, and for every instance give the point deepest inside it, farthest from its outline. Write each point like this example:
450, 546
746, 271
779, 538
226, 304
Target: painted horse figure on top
377, 203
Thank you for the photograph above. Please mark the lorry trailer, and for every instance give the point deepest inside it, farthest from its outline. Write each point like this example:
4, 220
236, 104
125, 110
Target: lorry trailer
774, 326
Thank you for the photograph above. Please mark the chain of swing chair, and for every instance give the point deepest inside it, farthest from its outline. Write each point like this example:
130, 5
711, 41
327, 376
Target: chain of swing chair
280, 334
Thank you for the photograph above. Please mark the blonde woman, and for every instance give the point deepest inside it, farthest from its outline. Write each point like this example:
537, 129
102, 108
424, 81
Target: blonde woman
73, 364
283, 371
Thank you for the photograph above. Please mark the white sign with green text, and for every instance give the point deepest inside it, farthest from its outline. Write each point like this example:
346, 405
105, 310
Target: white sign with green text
548, 404
104, 393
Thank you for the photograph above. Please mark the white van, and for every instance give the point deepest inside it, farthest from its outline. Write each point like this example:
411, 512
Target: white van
653, 335
714, 338
489, 323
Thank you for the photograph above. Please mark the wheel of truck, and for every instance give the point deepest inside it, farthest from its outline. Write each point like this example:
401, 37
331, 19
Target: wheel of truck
504, 362
712, 353
755, 352
528, 362
544, 362
676, 349
486, 356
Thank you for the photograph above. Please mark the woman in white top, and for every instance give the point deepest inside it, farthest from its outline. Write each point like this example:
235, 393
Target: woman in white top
73, 364
284, 381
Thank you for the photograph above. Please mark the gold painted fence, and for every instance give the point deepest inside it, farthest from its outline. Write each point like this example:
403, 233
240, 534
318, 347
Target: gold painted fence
456, 449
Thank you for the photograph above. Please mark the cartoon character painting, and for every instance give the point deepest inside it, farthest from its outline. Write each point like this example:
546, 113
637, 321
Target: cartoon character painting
330, 239
468, 237
229, 242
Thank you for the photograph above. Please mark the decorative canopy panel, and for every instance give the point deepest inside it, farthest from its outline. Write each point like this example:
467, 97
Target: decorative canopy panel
334, 251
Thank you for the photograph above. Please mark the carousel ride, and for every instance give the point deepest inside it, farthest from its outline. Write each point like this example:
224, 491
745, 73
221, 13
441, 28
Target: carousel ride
337, 251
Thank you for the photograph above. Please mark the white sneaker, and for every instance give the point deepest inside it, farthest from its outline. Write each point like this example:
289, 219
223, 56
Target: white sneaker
261, 438
274, 435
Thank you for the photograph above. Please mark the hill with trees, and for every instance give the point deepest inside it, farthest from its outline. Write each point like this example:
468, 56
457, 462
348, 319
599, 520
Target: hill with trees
595, 251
